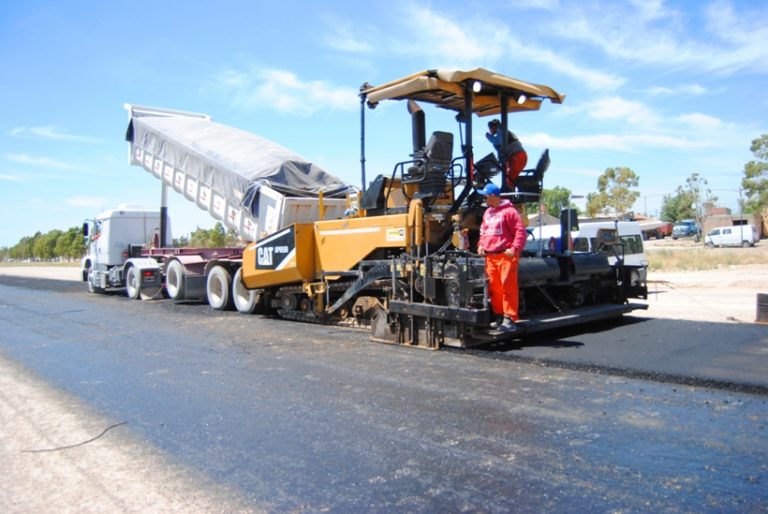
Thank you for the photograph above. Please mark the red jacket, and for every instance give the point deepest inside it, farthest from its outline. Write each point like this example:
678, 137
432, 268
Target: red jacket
502, 228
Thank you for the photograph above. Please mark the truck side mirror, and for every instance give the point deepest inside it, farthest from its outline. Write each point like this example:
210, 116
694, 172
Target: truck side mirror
85, 229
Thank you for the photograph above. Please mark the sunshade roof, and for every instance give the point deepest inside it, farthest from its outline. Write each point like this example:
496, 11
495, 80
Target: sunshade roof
446, 89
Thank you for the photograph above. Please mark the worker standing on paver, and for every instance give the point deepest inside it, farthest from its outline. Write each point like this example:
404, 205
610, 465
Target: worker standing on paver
502, 239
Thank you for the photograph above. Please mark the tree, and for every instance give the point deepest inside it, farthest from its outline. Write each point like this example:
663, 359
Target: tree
181, 241
70, 244
616, 192
678, 206
689, 201
45, 246
755, 181
553, 200
556, 199
216, 237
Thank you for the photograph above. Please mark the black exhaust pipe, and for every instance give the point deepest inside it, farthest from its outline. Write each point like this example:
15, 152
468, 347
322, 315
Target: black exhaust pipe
418, 127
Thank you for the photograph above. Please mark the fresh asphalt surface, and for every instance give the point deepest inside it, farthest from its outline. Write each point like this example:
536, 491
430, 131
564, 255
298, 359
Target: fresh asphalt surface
640, 415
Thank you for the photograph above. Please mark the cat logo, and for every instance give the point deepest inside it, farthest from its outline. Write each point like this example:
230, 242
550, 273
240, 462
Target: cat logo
264, 256
275, 251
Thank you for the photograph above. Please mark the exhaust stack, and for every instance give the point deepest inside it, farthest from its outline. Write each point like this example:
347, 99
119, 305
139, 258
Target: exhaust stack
418, 127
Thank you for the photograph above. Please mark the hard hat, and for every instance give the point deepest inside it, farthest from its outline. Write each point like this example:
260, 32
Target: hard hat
490, 189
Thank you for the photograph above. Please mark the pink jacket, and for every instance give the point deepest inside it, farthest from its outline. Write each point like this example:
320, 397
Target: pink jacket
502, 228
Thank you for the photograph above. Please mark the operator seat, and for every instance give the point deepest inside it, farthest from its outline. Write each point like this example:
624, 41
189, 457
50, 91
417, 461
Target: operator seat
431, 172
530, 183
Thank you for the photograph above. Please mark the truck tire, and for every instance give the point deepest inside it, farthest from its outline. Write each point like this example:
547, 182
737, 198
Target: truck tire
246, 300
133, 283
174, 280
218, 288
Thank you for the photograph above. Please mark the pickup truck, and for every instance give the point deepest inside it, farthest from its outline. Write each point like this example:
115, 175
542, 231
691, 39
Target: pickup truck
685, 228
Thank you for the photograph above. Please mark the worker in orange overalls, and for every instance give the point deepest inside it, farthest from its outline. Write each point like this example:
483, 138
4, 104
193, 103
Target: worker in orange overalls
517, 156
502, 239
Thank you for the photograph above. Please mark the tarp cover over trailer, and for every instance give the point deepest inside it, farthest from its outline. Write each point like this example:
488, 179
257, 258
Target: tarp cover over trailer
221, 168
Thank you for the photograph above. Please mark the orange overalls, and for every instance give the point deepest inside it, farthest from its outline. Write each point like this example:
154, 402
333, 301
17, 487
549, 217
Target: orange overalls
502, 228
502, 284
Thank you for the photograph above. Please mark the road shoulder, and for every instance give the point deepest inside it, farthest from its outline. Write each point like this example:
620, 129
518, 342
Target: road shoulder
49, 437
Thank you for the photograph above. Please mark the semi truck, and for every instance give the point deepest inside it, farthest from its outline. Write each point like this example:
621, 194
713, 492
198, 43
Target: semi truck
401, 258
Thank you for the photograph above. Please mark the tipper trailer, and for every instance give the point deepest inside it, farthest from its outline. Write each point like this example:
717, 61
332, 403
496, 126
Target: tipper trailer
402, 258
252, 185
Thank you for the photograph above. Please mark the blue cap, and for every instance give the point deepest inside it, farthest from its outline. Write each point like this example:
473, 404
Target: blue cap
490, 189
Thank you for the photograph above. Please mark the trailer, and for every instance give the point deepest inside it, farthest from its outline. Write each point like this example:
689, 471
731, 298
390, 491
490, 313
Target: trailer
656, 229
252, 185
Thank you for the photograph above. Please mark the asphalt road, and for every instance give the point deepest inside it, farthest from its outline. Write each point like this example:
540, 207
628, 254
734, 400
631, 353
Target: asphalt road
640, 416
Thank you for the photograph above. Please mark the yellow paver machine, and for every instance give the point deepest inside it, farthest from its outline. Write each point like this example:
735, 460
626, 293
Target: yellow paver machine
403, 260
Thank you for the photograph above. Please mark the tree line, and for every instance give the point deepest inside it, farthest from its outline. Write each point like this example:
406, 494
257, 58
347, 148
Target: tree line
616, 194
617, 191
71, 244
56, 244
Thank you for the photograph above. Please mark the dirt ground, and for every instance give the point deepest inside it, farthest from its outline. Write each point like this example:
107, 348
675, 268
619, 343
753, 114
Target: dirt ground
726, 294
722, 295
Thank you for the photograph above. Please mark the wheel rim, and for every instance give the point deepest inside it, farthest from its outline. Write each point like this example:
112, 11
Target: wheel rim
132, 283
174, 280
217, 290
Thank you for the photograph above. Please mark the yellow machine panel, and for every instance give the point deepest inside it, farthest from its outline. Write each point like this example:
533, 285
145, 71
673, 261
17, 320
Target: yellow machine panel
342, 244
285, 257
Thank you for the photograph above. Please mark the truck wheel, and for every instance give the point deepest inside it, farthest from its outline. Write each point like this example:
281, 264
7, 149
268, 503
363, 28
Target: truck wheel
246, 300
709, 245
218, 288
174, 280
745, 244
133, 283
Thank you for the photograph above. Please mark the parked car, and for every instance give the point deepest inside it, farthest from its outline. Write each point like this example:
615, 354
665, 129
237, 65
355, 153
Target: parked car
732, 235
685, 228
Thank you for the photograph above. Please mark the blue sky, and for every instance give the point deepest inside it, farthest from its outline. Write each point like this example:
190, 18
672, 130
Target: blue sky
667, 88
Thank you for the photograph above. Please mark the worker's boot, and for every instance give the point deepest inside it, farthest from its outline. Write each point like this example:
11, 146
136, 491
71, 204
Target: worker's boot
496, 323
507, 326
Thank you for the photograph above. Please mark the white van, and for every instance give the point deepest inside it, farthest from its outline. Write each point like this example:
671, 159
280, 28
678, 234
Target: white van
732, 235
585, 239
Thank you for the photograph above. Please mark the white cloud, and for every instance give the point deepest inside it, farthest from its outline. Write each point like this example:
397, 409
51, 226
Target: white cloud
537, 4
8, 177
682, 89
52, 133
466, 43
613, 142
593, 79
727, 42
699, 121
284, 91
446, 39
616, 108
342, 38
85, 201
45, 162
744, 35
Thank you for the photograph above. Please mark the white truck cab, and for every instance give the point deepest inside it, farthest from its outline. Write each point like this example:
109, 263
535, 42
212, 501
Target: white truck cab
111, 235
